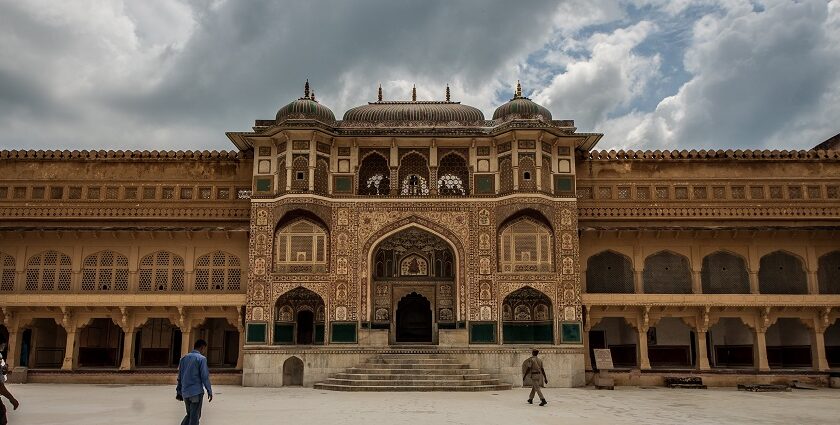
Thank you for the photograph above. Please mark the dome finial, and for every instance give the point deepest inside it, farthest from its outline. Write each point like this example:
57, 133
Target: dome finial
414, 93
313, 95
306, 89
379, 97
518, 90
447, 92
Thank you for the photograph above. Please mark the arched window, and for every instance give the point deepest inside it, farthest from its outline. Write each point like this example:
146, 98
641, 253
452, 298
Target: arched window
300, 173
105, 271
609, 273
299, 318
162, 271
505, 175
527, 173
725, 273
453, 175
527, 317
218, 271
48, 271
781, 273
300, 247
322, 176
7, 272
374, 176
829, 273
414, 175
667, 273
526, 247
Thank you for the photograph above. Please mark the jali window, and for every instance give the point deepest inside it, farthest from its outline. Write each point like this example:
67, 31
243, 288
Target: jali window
48, 271
374, 176
105, 271
7, 272
218, 271
526, 247
162, 271
301, 247
414, 175
453, 175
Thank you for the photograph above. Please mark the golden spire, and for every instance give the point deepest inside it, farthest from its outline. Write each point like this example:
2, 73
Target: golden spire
306, 89
518, 90
379, 97
414, 93
447, 92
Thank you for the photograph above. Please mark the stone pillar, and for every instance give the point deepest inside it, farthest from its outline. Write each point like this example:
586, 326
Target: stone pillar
818, 358
13, 348
696, 282
186, 341
241, 358
127, 362
71, 348
702, 351
760, 354
754, 282
642, 349
587, 359
813, 284
638, 283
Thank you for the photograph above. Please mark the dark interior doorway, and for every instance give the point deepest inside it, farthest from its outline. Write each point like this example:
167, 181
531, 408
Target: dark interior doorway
414, 319
305, 327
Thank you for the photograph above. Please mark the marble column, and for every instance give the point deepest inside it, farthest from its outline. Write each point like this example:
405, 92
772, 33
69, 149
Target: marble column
818, 358
186, 341
702, 351
70, 349
760, 354
642, 349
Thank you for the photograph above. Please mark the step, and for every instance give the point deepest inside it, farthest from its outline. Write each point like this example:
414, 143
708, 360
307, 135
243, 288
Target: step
411, 361
414, 366
408, 371
412, 383
395, 388
409, 377
415, 356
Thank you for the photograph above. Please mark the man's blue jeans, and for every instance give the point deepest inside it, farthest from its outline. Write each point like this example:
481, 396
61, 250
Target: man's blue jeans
193, 405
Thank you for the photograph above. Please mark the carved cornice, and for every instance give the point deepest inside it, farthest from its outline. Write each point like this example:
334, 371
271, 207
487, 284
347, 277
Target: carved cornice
117, 213
713, 212
121, 155
720, 154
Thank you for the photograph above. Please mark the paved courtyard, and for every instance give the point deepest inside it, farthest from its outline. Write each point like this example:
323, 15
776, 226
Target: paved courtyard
118, 404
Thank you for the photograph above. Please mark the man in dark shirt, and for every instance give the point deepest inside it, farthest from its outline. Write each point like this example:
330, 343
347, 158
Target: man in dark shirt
193, 378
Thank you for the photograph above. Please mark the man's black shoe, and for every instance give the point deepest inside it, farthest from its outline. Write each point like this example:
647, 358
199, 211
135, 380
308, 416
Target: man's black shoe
530, 401
543, 403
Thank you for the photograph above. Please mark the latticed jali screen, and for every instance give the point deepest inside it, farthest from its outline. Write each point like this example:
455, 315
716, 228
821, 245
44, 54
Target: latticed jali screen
725, 273
48, 271
609, 273
414, 175
162, 271
105, 271
7, 272
453, 175
526, 247
829, 273
218, 271
781, 273
667, 273
301, 247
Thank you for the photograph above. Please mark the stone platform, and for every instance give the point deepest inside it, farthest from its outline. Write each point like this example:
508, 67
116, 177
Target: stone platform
263, 365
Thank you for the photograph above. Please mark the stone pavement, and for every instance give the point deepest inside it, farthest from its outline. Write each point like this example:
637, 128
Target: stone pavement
119, 404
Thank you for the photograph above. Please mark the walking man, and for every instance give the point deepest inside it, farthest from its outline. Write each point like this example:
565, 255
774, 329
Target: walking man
193, 378
533, 368
4, 392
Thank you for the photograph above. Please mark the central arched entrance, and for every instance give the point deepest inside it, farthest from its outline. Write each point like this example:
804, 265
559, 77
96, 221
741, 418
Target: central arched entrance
413, 288
414, 319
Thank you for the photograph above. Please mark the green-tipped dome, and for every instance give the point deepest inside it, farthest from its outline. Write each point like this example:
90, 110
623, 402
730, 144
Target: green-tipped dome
521, 107
306, 108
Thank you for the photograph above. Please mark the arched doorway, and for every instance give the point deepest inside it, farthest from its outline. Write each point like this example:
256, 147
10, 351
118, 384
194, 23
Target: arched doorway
299, 318
414, 319
413, 289
305, 327
293, 372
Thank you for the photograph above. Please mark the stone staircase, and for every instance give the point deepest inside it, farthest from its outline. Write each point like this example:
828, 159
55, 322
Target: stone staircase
407, 371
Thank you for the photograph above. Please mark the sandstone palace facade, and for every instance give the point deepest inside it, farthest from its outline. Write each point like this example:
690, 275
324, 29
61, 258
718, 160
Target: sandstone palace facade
420, 227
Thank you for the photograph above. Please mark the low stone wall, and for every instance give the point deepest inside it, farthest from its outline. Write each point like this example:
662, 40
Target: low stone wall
715, 378
263, 365
133, 377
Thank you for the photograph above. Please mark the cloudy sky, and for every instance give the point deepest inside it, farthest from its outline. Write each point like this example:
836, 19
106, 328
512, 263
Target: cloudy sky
650, 74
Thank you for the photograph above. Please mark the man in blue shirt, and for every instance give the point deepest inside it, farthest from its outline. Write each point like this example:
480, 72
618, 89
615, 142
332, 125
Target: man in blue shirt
193, 378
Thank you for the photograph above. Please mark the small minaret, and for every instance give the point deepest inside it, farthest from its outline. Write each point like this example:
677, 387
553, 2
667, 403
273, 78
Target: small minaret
518, 92
447, 92
414, 93
379, 97
306, 89
313, 96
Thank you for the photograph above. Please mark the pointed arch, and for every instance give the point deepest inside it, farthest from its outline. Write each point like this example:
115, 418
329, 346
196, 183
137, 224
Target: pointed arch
414, 175
525, 245
105, 271
218, 271
667, 272
453, 175
374, 175
609, 272
300, 246
48, 271
782, 272
724, 272
527, 317
162, 271
828, 273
